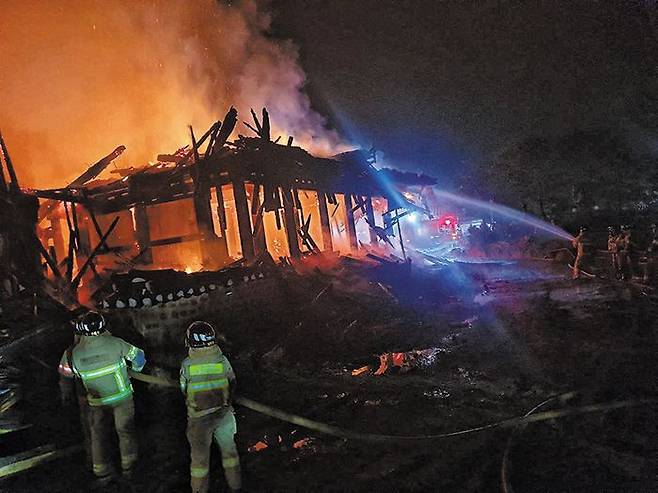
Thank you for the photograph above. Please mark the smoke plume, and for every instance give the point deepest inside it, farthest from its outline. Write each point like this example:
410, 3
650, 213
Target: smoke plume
78, 78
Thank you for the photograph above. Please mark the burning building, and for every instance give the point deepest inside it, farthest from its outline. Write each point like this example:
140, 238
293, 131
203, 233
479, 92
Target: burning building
216, 201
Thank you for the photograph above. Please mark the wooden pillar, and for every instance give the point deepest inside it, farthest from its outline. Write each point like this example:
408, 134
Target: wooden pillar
327, 243
203, 212
260, 242
58, 236
370, 215
203, 215
143, 233
221, 243
350, 225
291, 223
244, 222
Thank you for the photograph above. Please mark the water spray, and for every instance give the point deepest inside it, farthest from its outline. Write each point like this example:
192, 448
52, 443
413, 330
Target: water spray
506, 212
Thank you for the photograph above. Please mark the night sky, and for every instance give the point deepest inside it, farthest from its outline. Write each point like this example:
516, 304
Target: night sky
433, 83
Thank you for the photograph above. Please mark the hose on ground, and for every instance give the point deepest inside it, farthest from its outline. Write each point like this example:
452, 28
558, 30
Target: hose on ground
505, 482
374, 437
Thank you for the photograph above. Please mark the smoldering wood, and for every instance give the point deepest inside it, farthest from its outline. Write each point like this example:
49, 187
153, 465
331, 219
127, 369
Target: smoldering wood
244, 226
13, 180
265, 131
76, 281
350, 224
325, 225
227, 127
97, 168
221, 211
290, 220
257, 132
211, 142
143, 232
195, 147
370, 220
3, 181
176, 239
92, 172
260, 242
257, 123
307, 238
46, 256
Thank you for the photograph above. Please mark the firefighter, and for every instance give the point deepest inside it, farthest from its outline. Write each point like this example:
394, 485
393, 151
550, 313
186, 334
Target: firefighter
208, 382
583, 251
613, 251
627, 253
652, 256
101, 361
71, 388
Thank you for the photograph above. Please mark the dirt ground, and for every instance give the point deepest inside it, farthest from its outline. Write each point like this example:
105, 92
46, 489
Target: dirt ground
508, 335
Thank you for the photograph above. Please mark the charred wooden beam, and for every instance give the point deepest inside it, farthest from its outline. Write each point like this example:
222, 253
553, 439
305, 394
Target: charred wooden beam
92, 172
230, 120
97, 168
291, 222
244, 221
307, 238
350, 224
176, 239
76, 281
52, 263
327, 243
3, 181
13, 180
221, 210
265, 130
370, 216
143, 233
260, 243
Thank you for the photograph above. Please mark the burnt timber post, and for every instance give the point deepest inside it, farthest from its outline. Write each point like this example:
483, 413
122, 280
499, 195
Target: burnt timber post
244, 221
143, 233
327, 244
291, 223
221, 243
350, 225
260, 242
57, 235
370, 215
203, 214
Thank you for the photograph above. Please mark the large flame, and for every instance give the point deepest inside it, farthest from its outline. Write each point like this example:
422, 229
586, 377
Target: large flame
78, 78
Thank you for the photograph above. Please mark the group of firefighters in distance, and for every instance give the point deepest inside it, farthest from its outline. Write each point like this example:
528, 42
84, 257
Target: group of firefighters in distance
97, 365
623, 253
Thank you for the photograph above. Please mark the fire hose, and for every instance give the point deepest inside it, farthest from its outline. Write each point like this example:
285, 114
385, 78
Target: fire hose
22, 463
374, 437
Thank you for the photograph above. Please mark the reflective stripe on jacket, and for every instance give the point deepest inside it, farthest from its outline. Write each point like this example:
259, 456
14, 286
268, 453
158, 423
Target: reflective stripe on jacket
205, 379
101, 363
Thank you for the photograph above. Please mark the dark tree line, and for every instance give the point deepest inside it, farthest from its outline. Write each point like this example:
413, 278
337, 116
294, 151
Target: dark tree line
576, 177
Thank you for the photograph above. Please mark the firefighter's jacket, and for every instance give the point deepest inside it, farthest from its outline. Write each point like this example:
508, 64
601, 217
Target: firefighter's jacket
206, 377
101, 363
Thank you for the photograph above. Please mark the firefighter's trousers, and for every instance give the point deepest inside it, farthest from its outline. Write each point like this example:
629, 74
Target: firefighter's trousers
200, 433
100, 418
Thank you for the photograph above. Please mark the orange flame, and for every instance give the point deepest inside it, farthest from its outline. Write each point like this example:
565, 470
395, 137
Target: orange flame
80, 77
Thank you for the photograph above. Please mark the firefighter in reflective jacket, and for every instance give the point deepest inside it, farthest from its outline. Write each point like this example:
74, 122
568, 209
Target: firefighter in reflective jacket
207, 380
71, 388
583, 252
101, 361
